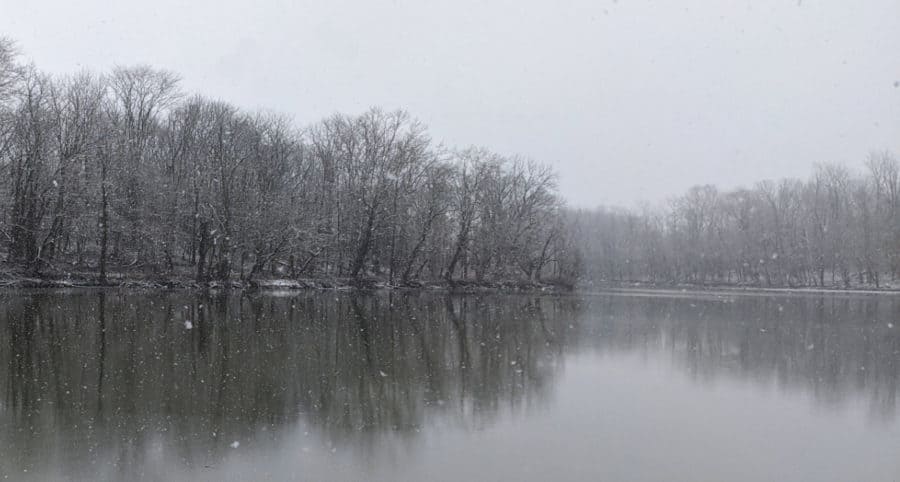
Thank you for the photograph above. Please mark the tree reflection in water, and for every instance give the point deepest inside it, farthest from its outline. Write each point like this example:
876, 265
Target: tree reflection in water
833, 347
106, 380
106, 377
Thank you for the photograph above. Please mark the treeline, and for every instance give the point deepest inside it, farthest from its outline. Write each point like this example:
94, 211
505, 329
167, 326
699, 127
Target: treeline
102, 174
124, 171
836, 229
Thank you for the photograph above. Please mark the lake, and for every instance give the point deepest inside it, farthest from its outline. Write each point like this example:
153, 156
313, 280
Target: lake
130, 385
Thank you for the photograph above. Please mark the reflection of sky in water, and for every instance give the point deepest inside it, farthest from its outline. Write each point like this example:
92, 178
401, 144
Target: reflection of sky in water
416, 387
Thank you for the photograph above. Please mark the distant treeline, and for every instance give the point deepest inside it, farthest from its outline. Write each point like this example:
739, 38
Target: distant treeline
836, 229
124, 172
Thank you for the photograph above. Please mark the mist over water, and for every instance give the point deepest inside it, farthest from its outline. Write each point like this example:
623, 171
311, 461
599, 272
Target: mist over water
103, 385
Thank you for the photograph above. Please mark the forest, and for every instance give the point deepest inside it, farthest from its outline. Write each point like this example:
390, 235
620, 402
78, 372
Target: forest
839, 228
109, 174
123, 172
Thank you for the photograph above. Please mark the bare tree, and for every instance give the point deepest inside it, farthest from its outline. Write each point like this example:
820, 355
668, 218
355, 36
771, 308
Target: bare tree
8, 67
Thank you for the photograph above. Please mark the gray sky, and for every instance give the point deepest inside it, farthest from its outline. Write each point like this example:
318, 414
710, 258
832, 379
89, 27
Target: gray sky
630, 99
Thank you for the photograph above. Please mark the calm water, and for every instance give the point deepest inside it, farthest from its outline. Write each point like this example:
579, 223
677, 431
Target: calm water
106, 385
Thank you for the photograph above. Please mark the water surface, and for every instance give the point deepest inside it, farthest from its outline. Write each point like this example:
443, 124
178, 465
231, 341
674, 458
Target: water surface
114, 385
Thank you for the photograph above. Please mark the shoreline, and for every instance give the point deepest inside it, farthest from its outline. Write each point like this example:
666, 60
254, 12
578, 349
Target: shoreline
139, 282
679, 290
119, 281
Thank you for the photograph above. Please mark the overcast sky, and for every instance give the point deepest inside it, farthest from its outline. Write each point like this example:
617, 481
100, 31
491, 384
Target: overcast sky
631, 100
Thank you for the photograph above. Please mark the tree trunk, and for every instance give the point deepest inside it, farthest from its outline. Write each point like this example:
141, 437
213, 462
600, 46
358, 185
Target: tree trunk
104, 224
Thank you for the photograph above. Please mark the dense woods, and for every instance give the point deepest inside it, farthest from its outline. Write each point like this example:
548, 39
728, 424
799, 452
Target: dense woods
122, 171
102, 174
836, 229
